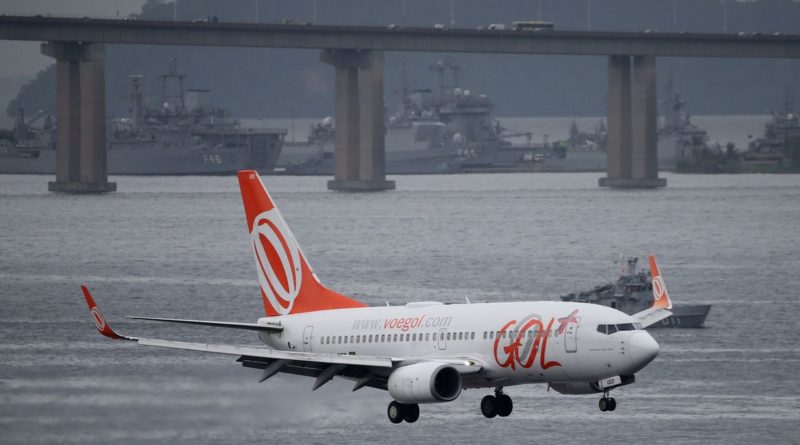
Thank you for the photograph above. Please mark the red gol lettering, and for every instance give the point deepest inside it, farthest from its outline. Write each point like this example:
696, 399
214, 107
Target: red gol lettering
513, 355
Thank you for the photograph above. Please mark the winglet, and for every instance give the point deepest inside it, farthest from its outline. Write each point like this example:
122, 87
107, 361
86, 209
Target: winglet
660, 296
99, 319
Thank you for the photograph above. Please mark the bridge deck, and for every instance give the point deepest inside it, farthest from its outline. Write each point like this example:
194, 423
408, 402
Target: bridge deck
595, 43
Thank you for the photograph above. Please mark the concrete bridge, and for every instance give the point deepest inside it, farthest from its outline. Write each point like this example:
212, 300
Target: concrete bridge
356, 53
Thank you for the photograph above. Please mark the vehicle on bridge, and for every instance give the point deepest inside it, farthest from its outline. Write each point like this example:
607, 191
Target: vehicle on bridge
532, 25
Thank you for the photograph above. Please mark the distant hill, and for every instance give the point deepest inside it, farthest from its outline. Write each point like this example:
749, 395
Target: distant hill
280, 83
9, 88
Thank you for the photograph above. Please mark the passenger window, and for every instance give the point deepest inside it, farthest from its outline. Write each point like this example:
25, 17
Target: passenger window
414, 337
358, 339
322, 340
434, 336
351, 339
484, 335
370, 339
472, 336
448, 336
345, 339
460, 335
395, 338
491, 335
427, 336
339, 339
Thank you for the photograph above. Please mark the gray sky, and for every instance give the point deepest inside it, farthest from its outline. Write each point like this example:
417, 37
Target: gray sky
23, 58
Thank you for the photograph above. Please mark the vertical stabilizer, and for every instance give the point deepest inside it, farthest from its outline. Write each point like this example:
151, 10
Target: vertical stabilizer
660, 296
288, 285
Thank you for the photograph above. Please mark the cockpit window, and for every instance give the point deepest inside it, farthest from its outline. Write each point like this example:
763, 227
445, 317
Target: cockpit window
609, 329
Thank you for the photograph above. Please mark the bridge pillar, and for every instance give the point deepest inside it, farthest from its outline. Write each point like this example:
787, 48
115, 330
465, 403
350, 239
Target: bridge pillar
618, 130
644, 124
632, 143
81, 165
360, 153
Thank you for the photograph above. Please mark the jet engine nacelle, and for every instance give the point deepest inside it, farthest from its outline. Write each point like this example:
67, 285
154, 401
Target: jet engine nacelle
426, 382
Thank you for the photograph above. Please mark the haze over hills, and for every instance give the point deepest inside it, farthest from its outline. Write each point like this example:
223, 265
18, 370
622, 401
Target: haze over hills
283, 82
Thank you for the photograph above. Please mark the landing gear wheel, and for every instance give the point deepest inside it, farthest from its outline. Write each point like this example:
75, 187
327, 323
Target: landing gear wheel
612, 404
411, 413
489, 406
602, 404
396, 411
504, 405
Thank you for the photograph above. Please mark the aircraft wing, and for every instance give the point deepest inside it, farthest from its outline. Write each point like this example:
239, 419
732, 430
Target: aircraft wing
652, 316
271, 354
660, 309
366, 370
218, 324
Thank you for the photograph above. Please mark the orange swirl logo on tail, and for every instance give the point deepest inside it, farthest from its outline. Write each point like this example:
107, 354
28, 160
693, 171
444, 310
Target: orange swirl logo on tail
99, 320
277, 259
658, 288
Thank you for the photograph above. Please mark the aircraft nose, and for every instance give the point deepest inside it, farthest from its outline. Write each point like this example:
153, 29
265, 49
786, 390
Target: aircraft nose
643, 348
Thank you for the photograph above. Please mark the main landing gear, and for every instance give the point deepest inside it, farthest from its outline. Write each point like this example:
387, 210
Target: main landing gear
607, 403
399, 412
497, 405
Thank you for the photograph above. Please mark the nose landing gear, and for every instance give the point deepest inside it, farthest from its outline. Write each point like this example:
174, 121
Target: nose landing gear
607, 403
497, 405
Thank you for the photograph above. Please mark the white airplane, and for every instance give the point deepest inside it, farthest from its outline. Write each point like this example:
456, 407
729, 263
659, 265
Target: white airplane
422, 352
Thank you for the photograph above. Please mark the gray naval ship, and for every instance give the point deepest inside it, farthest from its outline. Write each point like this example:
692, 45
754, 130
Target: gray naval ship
780, 138
447, 131
178, 137
678, 139
633, 292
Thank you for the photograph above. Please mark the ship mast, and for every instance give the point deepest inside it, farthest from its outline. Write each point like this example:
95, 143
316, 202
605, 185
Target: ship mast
173, 101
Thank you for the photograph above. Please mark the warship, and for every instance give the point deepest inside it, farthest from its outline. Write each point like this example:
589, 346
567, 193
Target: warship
678, 140
633, 292
779, 147
445, 131
180, 136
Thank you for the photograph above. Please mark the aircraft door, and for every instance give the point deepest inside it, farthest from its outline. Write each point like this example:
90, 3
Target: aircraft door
307, 337
571, 338
442, 339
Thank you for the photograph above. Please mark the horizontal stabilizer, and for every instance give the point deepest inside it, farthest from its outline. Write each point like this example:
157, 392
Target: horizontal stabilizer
217, 324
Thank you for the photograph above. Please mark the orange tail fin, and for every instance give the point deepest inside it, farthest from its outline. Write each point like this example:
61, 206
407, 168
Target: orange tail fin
288, 285
660, 295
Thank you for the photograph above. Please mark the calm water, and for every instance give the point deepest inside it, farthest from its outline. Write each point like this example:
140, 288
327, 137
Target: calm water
178, 247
